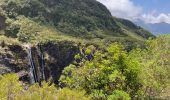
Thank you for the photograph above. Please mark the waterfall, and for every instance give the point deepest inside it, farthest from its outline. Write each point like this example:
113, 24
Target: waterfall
33, 77
37, 64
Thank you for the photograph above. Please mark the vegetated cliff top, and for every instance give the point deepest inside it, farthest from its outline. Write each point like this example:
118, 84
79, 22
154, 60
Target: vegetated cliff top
80, 18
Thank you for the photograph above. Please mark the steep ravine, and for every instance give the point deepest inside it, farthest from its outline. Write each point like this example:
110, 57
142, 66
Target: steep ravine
56, 56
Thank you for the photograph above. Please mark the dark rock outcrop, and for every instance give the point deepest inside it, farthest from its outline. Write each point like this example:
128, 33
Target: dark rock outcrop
12, 58
58, 56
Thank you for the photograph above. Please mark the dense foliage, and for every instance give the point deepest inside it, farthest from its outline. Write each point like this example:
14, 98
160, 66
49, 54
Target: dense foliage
112, 74
12, 89
138, 73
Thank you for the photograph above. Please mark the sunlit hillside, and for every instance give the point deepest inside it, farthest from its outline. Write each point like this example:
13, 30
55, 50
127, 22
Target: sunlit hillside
78, 50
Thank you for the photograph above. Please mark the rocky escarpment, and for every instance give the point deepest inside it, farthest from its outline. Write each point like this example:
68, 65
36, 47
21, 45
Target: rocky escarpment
12, 58
57, 55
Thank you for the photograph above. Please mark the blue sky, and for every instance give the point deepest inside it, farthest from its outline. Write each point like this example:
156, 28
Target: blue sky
149, 11
161, 6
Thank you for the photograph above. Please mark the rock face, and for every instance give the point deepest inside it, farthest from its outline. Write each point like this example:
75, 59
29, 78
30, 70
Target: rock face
14, 58
58, 56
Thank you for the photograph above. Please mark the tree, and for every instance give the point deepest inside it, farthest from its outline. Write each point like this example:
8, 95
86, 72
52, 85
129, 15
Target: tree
103, 75
139, 73
155, 65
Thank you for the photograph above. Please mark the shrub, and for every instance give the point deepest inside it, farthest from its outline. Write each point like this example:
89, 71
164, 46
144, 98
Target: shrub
9, 86
67, 94
28, 29
12, 28
104, 74
11, 89
117, 73
119, 95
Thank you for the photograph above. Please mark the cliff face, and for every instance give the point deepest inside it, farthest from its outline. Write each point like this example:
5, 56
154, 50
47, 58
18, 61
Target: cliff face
14, 58
58, 56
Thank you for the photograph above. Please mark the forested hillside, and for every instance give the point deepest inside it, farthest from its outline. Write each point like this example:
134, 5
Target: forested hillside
80, 18
75, 49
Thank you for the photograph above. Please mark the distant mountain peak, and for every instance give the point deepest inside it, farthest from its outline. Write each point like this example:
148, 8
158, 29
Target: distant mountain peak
155, 28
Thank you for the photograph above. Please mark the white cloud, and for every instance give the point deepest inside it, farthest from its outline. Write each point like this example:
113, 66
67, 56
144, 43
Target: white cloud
150, 18
122, 8
128, 10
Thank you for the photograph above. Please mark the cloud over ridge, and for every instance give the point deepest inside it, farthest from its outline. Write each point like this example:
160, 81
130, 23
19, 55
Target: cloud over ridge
122, 8
128, 10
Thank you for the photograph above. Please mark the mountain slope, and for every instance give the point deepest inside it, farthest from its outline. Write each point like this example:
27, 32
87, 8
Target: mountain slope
80, 18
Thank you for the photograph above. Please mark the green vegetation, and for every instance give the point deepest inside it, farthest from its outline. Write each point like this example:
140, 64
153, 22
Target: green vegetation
112, 75
138, 73
11, 89
87, 19
115, 61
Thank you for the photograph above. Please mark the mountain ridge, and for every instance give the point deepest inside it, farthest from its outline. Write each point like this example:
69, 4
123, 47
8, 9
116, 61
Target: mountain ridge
155, 28
78, 18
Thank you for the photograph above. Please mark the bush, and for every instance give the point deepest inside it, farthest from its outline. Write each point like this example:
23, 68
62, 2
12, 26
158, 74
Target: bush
11, 89
119, 95
67, 94
9, 86
23, 28
155, 63
12, 28
28, 29
106, 72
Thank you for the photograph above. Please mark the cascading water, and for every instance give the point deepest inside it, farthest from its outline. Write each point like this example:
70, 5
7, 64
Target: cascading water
37, 68
33, 77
